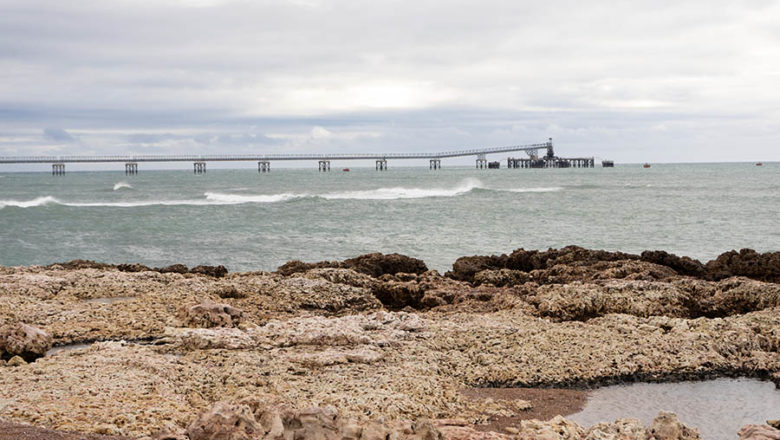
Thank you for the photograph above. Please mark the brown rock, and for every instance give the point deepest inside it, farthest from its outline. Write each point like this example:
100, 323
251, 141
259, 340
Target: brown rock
378, 264
16, 361
758, 432
173, 268
226, 421
24, 340
747, 263
774, 423
133, 267
209, 314
81, 264
682, 265
665, 426
212, 271
297, 266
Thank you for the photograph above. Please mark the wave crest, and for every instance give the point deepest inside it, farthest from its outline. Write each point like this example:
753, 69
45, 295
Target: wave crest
38, 201
120, 185
395, 193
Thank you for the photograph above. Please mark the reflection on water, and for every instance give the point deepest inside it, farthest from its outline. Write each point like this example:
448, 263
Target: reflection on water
68, 347
717, 407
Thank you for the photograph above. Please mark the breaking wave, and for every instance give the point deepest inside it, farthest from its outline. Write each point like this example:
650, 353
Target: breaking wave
120, 185
237, 199
216, 198
405, 193
38, 201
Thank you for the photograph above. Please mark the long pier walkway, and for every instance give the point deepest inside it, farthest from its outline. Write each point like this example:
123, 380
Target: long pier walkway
264, 160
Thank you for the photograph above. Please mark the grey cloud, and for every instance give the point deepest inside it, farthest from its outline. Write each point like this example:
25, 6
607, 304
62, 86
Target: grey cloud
57, 135
631, 78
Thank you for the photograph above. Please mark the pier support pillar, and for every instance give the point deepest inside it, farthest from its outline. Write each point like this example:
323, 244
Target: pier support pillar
131, 168
381, 165
263, 166
58, 169
481, 163
435, 164
324, 165
199, 167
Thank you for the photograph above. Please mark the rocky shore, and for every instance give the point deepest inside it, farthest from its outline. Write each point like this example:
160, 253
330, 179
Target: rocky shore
376, 346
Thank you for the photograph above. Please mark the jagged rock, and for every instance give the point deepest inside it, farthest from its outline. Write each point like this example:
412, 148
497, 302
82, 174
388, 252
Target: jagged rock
747, 263
133, 267
208, 338
465, 268
378, 264
774, 423
682, 265
297, 266
209, 314
16, 361
314, 293
229, 291
24, 340
758, 432
254, 420
622, 429
502, 277
556, 428
173, 268
212, 271
665, 426
226, 421
80, 264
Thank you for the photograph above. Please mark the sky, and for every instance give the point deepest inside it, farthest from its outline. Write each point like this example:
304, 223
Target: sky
632, 81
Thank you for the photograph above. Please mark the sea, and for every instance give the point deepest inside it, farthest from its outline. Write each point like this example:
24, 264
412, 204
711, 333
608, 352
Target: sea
247, 220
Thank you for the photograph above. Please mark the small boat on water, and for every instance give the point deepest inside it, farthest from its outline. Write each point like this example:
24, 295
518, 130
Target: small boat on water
647, 165
759, 164
345, 170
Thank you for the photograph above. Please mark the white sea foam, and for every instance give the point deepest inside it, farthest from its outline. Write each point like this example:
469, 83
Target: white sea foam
236, 199
38, 201
216, 198
120, 185
405, 193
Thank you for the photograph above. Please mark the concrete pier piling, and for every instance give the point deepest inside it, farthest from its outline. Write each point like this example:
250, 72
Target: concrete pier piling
58, 169
435, 164
131, 168
324, 165
264, 166
381, 165
199, 167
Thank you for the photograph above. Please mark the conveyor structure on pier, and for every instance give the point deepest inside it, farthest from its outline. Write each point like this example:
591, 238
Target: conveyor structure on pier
549, 160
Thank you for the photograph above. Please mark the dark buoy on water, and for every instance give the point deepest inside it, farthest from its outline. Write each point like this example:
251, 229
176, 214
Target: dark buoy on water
345, 170
647, 165
759, 164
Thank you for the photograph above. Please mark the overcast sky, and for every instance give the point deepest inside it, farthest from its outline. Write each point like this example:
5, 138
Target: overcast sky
633, 81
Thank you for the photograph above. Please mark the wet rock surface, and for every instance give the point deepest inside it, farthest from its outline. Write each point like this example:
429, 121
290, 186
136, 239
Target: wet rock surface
379, 344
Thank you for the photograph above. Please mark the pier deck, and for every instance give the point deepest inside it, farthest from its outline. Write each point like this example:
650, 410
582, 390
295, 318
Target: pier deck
264, 160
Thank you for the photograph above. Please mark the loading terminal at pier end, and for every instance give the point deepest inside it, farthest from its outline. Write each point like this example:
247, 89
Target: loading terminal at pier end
533, 160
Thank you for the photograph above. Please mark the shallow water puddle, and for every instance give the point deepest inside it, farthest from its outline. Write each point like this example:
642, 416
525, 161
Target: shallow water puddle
718, 408
68, 347
109, 300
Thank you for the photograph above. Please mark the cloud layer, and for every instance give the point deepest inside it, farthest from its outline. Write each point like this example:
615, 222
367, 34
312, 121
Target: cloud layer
631, 81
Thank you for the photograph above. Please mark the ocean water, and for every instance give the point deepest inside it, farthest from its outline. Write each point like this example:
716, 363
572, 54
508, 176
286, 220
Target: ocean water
251, 221
718, 408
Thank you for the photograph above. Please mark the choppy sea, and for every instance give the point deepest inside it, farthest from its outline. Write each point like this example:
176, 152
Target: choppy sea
250, 221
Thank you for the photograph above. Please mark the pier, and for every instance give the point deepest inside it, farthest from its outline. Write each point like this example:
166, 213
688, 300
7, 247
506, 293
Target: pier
534, 160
